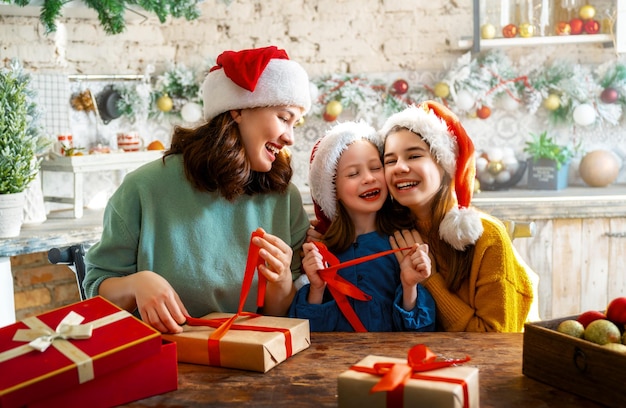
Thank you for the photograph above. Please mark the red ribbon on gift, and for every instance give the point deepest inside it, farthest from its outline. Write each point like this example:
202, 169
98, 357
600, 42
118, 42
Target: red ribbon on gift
224, 324
340, 288
395, 375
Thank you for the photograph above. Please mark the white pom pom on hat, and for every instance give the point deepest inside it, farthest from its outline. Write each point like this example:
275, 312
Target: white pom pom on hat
324, 159
453, 149
254, 78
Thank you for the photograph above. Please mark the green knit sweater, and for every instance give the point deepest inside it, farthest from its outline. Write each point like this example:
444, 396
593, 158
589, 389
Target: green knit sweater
498, 294
197, 241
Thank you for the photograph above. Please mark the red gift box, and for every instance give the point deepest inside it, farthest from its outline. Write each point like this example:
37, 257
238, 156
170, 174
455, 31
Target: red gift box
152, 376
73, 356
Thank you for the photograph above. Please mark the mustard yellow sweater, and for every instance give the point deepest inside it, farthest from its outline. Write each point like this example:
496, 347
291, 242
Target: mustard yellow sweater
498, 294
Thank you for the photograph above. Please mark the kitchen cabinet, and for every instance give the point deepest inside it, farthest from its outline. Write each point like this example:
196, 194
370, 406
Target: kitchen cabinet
617, 39
578, 249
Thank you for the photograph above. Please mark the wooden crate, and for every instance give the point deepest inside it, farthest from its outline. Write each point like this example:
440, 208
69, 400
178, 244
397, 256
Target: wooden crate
574, 365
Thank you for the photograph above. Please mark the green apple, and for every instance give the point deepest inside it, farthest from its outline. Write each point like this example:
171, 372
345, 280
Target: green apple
572, 328
602, 331
620, 348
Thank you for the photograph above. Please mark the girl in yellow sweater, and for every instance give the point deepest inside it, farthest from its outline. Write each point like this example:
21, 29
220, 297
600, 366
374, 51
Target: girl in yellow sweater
478, 281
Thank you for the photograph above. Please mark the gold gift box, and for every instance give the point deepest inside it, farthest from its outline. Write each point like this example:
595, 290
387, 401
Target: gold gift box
243, 349
354, 387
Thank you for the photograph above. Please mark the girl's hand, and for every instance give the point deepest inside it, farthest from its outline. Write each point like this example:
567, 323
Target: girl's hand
416, 266
404, 239
312, 263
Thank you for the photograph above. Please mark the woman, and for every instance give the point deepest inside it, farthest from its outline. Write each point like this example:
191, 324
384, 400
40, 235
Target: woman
478, 281
176, 232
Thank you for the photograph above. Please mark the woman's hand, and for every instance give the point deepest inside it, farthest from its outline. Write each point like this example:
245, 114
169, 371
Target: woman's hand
277, 270
157, 302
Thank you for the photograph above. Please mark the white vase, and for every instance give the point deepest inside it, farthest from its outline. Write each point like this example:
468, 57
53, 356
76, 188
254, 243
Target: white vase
11, 214
34, 206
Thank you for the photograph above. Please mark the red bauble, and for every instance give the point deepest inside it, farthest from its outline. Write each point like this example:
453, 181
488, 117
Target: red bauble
592, 26
509, 31
483, 112
329, 118
609, 95
400, 87
576, 26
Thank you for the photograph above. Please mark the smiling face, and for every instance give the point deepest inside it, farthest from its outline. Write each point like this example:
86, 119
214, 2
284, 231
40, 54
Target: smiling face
265, 131
360, 181
411, 172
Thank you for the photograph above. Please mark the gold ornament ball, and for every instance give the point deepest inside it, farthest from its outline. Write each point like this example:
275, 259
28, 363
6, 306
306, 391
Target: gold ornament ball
442, 90
487, 31
526, 30
552, 102
587, 12
599, 168
165, 103
334, 108
495, 167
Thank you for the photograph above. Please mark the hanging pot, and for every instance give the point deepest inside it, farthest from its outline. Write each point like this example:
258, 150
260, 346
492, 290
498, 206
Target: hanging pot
107, 104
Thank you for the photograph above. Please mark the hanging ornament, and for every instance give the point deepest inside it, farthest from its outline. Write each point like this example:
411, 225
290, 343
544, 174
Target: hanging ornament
191, 112
526, 30
509, 31
399, 87
165, 103
328, 117
584, 114
334, 109
487, 31
591, 26
441, 90
576, 26
483, 112
464, 100
609, 95
563, 28
587, 12
300, 122
552, 102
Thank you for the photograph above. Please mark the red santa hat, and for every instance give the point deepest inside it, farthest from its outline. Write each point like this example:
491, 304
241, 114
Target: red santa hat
323, 169
254, 78
454, 151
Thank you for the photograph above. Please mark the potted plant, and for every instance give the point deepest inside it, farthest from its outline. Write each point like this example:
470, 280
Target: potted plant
548, 164
19, 136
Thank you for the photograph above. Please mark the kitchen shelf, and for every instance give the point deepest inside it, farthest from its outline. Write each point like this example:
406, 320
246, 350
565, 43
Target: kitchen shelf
605, 39
616, 39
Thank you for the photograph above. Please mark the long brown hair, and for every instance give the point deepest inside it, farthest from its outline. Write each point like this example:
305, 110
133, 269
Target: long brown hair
215, 160
455, 265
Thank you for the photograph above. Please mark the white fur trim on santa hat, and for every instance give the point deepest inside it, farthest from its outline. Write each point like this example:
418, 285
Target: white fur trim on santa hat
283, 83
323, 170
433, 130
461, 227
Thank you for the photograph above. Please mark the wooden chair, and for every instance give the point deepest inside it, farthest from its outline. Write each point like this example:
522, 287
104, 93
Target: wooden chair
74, 257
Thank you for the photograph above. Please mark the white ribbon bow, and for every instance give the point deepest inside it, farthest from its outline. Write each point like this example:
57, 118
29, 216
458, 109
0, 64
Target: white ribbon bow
69, 328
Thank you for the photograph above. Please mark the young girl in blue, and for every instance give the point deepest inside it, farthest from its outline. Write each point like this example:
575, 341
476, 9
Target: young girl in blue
352, 206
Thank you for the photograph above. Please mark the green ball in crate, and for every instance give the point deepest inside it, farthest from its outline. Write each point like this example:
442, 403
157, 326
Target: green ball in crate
572, 328
602, 331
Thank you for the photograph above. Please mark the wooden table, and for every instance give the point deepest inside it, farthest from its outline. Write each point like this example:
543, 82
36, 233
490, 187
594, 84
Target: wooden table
309, 379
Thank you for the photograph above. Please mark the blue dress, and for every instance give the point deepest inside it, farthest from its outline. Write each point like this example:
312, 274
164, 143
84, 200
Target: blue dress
379, 278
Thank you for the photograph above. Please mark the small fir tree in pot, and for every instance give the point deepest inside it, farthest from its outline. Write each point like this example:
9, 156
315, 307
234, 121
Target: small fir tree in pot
19, 138
548, 163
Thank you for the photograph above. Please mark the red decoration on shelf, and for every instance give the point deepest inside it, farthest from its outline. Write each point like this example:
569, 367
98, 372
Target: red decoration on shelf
509, 31
576, 26
563, 28
592, 26
483, 112
609, 95
329, 118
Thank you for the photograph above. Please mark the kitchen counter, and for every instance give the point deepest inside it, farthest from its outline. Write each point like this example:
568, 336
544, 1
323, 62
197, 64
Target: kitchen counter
62, 229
